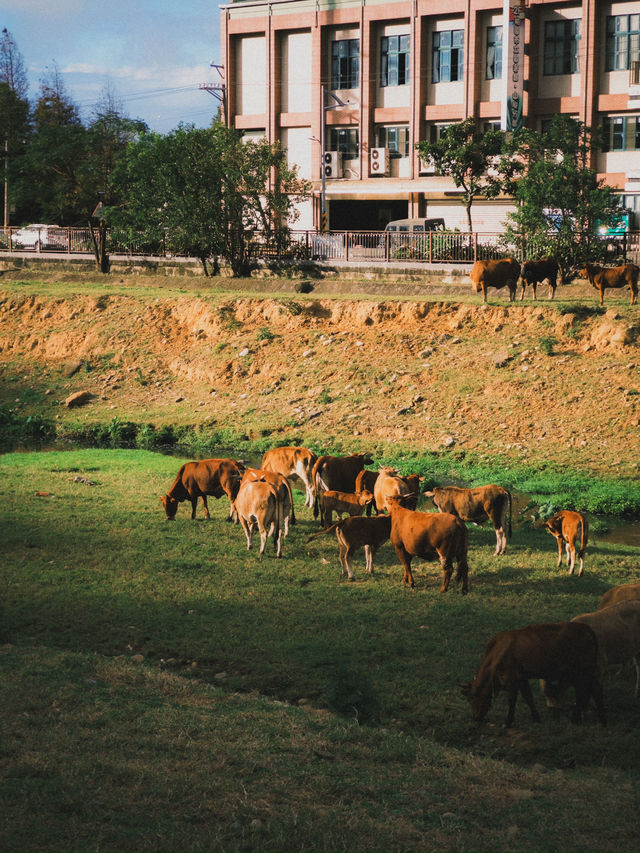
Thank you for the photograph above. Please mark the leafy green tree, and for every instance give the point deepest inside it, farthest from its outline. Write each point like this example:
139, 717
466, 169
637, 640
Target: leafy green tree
204, 192
560, 200
472, 158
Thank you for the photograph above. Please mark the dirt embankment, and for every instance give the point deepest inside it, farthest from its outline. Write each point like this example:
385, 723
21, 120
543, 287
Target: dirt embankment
529, 381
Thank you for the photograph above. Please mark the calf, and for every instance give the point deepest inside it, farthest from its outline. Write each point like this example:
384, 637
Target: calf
295, 463
430, 536
501, 273
617, 630
366, 481
359, 532
535, 272
603, 277
342, 503
257, 503
570, 530
478, 505
337, 473
565, 652
625, 592
214, 477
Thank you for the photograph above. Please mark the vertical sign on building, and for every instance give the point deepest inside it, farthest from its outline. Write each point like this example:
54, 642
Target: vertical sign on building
513, 64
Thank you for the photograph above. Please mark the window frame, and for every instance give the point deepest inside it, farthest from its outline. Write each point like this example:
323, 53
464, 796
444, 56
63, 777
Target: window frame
345, 64
394, 60
618, 131
493, 56
561, 47
345, 140
619, 42
390, 136
447, 55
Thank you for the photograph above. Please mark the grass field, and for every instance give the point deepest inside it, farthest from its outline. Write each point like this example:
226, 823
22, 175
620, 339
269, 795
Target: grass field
165, 689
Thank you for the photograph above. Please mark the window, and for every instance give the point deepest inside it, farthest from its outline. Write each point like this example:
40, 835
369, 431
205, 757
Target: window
394, 61
491, 125
448, 55
437, 131
494, 53
345, 140
396, 139
561, 39
623, 42
345, 64
621, 133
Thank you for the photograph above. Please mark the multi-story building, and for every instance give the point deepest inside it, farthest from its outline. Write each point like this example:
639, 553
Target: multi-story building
349, 86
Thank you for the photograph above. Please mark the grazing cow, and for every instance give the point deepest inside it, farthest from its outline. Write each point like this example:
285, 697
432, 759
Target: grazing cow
564, 652
342, 503
257, 503
295, 463
366, 482
283, 490
338, 473
535, 272
625, 592
617, 629
571, 530
359, 532
215, 477
502, 273
430, 536
603, 277
478, 505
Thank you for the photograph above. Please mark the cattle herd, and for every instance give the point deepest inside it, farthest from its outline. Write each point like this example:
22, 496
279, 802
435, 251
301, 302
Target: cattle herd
507, 272
381, 505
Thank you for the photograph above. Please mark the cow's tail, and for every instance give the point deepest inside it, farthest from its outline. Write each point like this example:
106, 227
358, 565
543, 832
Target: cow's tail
292, 512
314, 483
328, 529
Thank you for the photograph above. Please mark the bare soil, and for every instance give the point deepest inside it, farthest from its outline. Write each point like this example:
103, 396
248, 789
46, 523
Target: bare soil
422, 367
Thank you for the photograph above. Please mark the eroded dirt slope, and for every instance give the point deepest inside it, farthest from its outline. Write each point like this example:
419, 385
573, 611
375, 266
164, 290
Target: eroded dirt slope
532, 381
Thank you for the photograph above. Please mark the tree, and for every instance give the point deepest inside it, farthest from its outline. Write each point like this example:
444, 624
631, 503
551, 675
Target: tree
14, 115
560, 200
12, 69
472, 159
204, 192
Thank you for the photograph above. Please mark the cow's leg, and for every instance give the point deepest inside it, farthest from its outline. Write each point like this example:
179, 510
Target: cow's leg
560, 543
581, 558
602, 289
194, 504
524, 287
571, 557
405, 559
447, 571
525, 689
277, 539
484, 291
513, 286
512, 695
499, 546
369, 554
206, 508
534, 285
634, 292
248, 531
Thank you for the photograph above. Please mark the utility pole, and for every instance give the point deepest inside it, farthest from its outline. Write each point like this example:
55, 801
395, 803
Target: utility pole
218, 90
6, 182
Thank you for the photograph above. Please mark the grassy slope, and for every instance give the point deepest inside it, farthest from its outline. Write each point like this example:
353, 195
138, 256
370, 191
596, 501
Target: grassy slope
220, 737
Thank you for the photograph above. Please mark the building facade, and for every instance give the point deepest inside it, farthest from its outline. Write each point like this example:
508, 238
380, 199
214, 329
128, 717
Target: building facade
349, 87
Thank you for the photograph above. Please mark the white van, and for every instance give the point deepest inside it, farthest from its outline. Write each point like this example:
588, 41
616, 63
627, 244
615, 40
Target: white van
407, 238
413, 225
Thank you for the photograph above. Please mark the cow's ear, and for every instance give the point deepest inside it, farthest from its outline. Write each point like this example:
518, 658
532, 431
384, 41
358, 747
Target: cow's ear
428, 494
421, 479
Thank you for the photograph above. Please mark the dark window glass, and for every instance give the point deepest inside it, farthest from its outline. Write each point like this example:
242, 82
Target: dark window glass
623, 42
561, 41
345, 64
345, 140
394, 61
396, 139
448, 56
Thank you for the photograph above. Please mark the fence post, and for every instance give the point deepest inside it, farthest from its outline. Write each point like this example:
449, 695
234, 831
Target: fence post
347, 241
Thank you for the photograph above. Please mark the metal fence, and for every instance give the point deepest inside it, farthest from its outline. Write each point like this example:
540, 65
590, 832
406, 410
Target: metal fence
431, 247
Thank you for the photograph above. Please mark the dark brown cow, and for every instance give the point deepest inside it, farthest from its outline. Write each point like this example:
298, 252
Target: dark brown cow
535, 272
430, 536
295, 463
283, 491
208, 477
338, 473
616, 277
359, 532
563, 652
625, 592
366, 481
478, 505
498, 274
571, 531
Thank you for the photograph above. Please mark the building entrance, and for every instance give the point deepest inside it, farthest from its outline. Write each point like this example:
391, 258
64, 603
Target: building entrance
365, 215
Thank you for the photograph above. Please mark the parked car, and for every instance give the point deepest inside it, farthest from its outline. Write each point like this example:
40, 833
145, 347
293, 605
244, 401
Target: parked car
40, 236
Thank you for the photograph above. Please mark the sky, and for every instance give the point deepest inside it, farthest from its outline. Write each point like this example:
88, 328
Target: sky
151, 54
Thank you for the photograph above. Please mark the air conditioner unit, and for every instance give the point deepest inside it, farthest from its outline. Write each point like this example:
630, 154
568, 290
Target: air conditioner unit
379, 161
332, 164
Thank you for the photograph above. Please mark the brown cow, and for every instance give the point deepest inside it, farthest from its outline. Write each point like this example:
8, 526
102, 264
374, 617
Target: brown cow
570, 530
563, 652
430, 536
478, 505
535, 272
295, 463
389, 485
617, 629
257, 502
338, 473
502, 273
625, 592
342, 503
366, 482
215, 477
283, 490
603, 277
359, 532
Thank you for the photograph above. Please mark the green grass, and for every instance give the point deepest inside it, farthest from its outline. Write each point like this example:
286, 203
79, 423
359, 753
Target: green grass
276, 706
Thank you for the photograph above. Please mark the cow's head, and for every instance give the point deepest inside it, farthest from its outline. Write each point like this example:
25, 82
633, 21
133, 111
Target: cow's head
365, 498
479, 698
552, 526
170, 507
475, 286
367, 459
